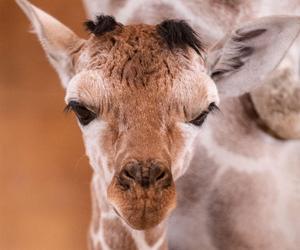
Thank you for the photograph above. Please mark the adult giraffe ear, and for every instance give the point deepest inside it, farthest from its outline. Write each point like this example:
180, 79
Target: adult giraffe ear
244, 58
58, 41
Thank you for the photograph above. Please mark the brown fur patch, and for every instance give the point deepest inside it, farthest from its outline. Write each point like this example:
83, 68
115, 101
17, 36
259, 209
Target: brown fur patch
117, 236
239, 123
153, 235
241, 211
278, 104
195, 184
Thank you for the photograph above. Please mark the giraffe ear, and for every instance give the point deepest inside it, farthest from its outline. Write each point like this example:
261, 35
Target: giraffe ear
58, 41
243, 59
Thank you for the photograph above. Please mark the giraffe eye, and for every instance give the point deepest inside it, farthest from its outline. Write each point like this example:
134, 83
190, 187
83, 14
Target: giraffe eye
84, 115
199, 120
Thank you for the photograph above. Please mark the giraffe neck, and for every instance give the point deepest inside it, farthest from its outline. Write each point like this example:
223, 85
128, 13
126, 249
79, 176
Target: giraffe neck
109, 231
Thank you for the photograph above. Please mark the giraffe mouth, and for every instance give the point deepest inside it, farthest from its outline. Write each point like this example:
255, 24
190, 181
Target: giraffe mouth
144, 214
139, 207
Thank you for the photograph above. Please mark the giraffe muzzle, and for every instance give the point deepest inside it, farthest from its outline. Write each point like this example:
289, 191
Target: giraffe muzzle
143, 194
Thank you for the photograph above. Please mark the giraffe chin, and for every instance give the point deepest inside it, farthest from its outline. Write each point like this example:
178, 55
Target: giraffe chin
143, 220
142, 209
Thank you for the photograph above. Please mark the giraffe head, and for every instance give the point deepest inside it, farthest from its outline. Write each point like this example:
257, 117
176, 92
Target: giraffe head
142, 92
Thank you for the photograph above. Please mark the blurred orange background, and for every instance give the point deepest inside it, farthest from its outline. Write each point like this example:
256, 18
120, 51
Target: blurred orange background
44, 173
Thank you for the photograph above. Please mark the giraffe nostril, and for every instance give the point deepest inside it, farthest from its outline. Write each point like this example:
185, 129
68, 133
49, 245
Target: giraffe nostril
129, 175
124, 180
145, 175
131, 172
158, 173
161, 176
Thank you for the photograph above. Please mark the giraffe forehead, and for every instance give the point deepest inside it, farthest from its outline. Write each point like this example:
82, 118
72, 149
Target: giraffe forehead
134, 66
138, 55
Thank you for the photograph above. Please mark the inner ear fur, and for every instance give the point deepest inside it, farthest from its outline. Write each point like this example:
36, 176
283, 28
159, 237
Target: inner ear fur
58, 41
241, 61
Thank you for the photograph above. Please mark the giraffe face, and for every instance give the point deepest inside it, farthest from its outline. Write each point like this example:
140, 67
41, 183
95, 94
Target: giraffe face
138, 104
139, 91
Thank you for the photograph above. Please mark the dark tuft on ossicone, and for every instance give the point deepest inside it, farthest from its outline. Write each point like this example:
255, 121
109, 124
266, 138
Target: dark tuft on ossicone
102, 25
177, 33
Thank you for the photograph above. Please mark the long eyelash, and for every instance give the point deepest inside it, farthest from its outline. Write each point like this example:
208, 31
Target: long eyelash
68, 108
213, 108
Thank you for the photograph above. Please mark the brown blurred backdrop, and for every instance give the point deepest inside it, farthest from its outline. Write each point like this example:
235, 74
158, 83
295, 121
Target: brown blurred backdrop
44, 174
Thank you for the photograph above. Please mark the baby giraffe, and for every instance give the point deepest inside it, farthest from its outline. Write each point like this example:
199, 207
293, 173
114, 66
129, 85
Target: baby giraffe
141, 93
